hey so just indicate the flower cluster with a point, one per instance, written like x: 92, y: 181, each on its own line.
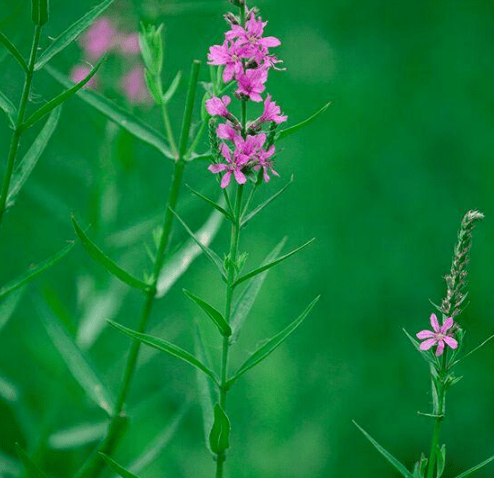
x: 102, y: 38
x: 246, y: 59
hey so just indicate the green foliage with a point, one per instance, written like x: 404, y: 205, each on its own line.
x: 219, y: 438
x: 210, y: 202
x: 9, y: 109
x: 293, y: 129
x: 172, y: 89
x: 8, y: 306
x: 117, y: 468
x: 151, y: 43
x: 473, y: 470
x: 13, y: 51
x: 33, y: 470
x: 40, y: 11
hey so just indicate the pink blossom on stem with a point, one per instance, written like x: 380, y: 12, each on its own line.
x: 266, y: 163
x: 134, y: 86
x: 99, y: 38
x: 230, y: 55
x: 252, y: 83
x: 252, y: 34
x: 79, y: 73
x: 441, y: 336
x: 227, y: 131
x: 272, y: 112
x: 218, y: 106
x: 234, y: 166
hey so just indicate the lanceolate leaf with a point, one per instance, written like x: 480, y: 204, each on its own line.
x: 472, y: 471
x: 212, y: 256
x: 35, y: 271
x: 44, y: 110
x: 96, y: 253
x: 288, y: 131
x: 29, y: 161
x: 116, y: 467
x: 271, y: 264
x: 165, y: 347
x: 33, y: 471
x: 183, y: 258
x: 13, y: 50
x: 9, y: 109
x: 211, y: 203
x: 219, y: 438
x: 8, y: 306
x: 172, y: 89
x: 71, y: 34
x: 261, y: 206
x: 272, y: 344
x: 399, y: 466
x: 74, y: 437
x: 213, y: 314
x: 123, y: 118
x: 248, y: 296
x: 77, y: 363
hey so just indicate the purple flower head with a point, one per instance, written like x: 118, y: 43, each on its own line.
x: 99, y: 38
x: 266, y: 163
x: 228, y: 132
x: 252, y: 83
x: 252, y: 34
x: 233, y: 166
x: 218, y: 106
x: 230, y: 55
x: 441, y: 336
x: 272, y: 112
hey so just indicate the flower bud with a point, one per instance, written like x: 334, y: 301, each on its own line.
x: 39, y: 11
x: 231, y: 19
x: 238, y: 3
x: 151, y: 44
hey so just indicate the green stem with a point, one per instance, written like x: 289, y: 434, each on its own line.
x: 16, y: 137
x: 169, y: 130
x: 94, y: 465
x: 434, y: 445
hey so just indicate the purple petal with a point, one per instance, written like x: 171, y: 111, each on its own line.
x: 448, y: 323
x: 425, y: 334
x: 270, y: 42
x: 217, y: 168
x: 440, y: 348
x: 225, y: 181
x: 435, y: 323
x: 453, y: 343
x: 240, y: 177
x: 427, y: 344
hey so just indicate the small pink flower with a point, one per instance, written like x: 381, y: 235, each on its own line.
x: 134, y: 86
x: 272, y: 112
x: 230, y: 55
x: 252, y: 83
x: 227, y: 131
x: 79, y: 73
x: 99, y: 38
x: 439, y: 337
x: 218, y: 106
x: 252, y: 34
x: 266, y: 163
x: 129, y: 44
x: 234, y: 166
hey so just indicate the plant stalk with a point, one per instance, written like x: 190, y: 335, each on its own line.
x: 16, y: 137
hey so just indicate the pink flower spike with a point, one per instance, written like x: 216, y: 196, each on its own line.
x: 218, y: 106
x: 441, y: 336
x: 272, y: 112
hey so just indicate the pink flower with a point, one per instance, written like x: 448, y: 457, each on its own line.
x: 439, y: 337
x: 227, y: 131
x: 252, y: 83
x: 134, y: 86
x: 99, y: 38
x: 252, y: 34
x: 129, y: 44
x: 266, y: 163
x: 79, y: 73
x: 230, y: 55
x: 218, y: 106
x: 233, y: 166
x: 272, y: 112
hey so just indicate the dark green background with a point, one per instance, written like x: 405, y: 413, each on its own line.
x: 382, y: 181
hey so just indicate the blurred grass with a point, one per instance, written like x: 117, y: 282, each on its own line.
x: 382, y: 181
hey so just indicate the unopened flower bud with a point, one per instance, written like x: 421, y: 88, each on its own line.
x: 231, y: 19
x: 151, y: 44
x: 238, y: 3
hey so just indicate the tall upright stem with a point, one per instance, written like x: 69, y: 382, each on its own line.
x: 16, y: 137
x: 94, y: 465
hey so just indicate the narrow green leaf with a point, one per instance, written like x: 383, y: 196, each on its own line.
x: 172, y: 89
x: 272, y: 344
x: 76, y: 361
x: 33, y: 471
x: 40, y: 11
x: 9, y: 465
x: 165, y: 347
x: 441, y: 460
x: 71, y: 34
x: 210, y: 202
x: 77, y: 436
x: 219, y: 438
x: 211, y: 255
x: 471, y: 471
x: 271, y: 264
x: 212, y: 313
x: 399, y: 466
x: 58, y: 100
x: 9, y: 109
x: 207, y: 156
x: 8, y: 391
x: 8, y: 306
x: 118, y: 115
x: 116, y: 467
x: 428, y: 357
x: 261, y: 206
x: 248, y: 296
x: 95, y: 252
x: 29, y: 161
x: 13, y: 51
x: 205, y: 390
x: 178, y: 264
x: 35, y: 271
x: 288, y: 131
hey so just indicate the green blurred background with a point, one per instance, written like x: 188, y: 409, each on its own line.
x: 382, y: 181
